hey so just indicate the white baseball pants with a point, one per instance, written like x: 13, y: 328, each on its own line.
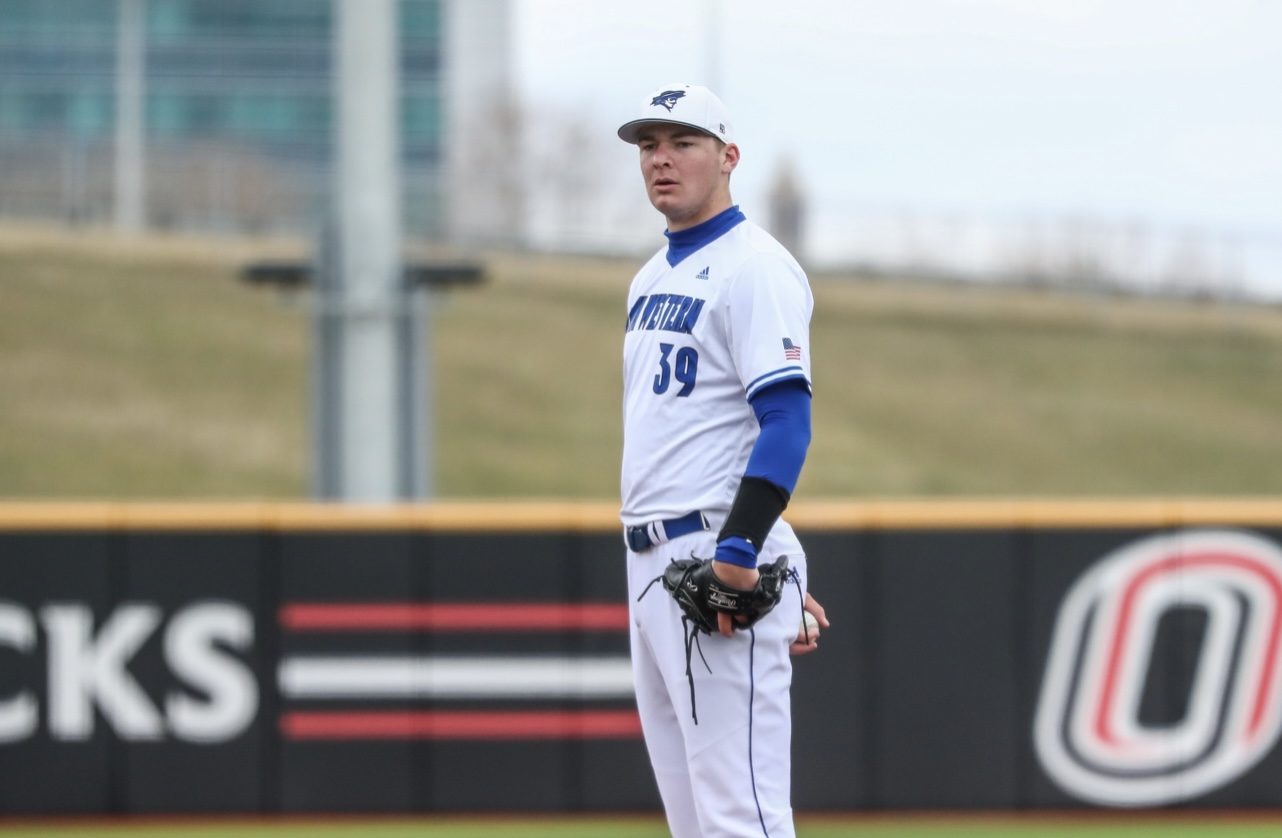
x: 729, y: 774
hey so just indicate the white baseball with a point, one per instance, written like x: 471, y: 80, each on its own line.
x: 809, y: 623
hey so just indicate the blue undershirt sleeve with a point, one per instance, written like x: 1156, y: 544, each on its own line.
x: 783, y: 411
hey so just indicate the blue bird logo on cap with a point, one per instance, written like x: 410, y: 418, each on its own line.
x: 667, y: 99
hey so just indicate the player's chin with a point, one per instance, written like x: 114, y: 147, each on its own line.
x: 664, y: 200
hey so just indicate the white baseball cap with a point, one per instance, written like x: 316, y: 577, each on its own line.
x: 683, y: 104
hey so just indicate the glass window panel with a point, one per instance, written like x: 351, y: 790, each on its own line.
x: 57, y: 16
x: 89, y: 115
x: 421, y: 119
x: 420, y: 20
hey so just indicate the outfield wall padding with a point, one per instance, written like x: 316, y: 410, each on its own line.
x: 261, y: 658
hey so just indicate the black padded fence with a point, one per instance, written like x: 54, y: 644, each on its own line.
x: 457, y: 658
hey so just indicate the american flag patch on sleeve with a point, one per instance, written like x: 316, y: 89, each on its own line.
x: 791, y: 351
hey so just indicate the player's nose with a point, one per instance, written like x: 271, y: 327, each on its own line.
x: 662, y: 156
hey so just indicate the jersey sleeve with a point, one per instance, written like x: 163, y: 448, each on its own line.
x: 768, y: 322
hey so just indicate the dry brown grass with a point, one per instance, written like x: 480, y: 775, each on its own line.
x: 146, y: 368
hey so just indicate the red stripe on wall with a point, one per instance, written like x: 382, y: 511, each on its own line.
x: 591, y: 724
x: 462, y: 617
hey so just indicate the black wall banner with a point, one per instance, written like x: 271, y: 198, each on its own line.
x: 453, y: 658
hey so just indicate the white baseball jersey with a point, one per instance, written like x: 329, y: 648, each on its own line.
x: 703, y: 336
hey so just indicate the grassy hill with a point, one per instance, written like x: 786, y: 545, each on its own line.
x: 148, y: 369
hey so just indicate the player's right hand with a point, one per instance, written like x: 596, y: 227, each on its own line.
x: 804, y: 645
x: 743, y: 578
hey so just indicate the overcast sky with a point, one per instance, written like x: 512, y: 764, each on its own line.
x: 1165, y: 110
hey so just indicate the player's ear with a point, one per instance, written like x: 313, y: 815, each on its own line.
x: 729, y: 158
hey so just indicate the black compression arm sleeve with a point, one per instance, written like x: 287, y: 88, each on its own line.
x: 757, y: 505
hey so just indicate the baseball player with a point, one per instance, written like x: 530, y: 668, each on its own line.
x: 716, y: 426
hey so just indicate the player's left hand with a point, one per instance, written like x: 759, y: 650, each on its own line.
x: 804, y: 645
x: 703, y: 595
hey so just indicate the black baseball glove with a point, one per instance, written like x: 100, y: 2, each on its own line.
x: 701, y: 595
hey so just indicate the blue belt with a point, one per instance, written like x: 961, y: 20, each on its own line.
x: 642, y: 538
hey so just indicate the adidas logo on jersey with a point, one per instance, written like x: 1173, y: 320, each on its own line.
x: 703, y: 274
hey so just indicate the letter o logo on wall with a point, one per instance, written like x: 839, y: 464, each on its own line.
x: 1089, y: 732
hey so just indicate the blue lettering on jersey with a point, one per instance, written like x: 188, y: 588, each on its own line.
x: 665, y: 312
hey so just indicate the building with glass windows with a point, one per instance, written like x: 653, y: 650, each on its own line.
x: 237, y: 110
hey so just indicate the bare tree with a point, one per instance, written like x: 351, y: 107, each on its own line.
x: 487, y: 180
x: 788, y: 209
